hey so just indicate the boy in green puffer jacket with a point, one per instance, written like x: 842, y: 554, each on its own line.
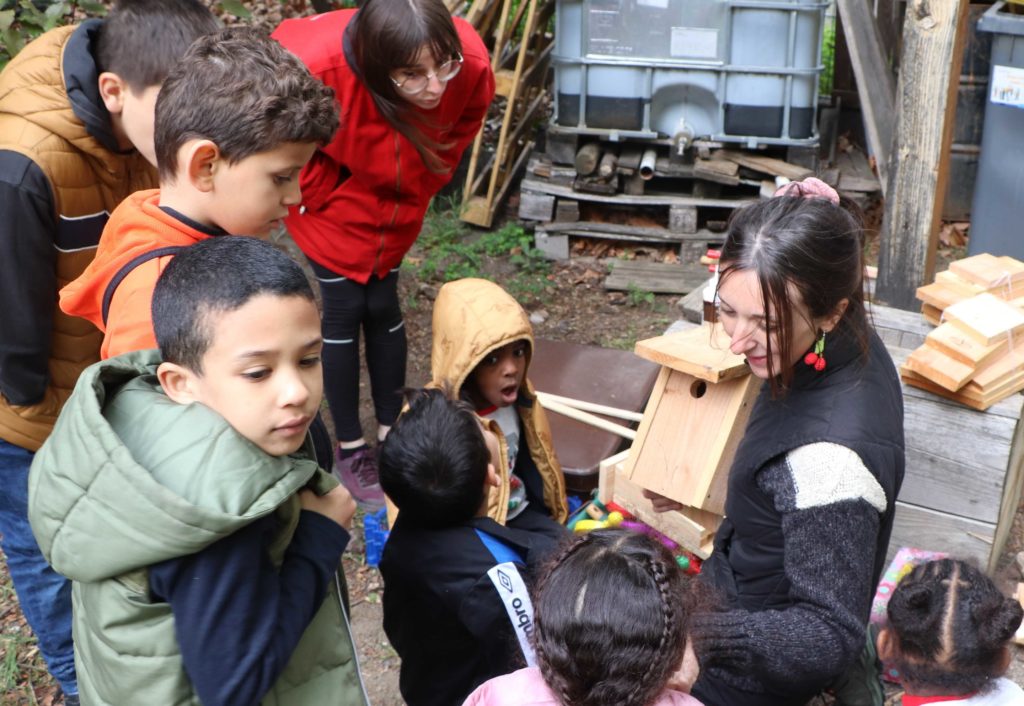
x: 179, y: 494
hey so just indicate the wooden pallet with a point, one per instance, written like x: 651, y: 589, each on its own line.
x: 657, y: 277
x: 549, y: 197
x: 520, y: 58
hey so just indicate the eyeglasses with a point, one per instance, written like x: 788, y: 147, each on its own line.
x: 417, y: 82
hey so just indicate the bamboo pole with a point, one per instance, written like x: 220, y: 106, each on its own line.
x: 546, y: 397
x: 588, y: 418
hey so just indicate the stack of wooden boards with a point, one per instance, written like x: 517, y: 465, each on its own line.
x: 975, y: 355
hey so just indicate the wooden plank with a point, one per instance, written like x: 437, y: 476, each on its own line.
x: 956, y: 457
x: 1005, y: 410
x: 1012, y: 489
x: 682, y: 219
x: 657, y: 277
x: 989, y: 272
x: 986, y: 318
x: 875, y: 86
x: 530, y: 58
x: 504, y: 82
x: 536, y: 207
x: 717, y: 170
x: 949, y: 339
x: 765, y: 165
x: 597, y: 228
x: 567, y: 211
x: 1001, y: 372
x: 933, y: 34
x: 971, y: 395
x: 931, y: 314
x: 938, y: 295
x: 898, y: 320
x: 940, y: 368
x: 628, y: 200
x: 951, y: 281
x: 702, y: 352
x: 692, y: 529
x: 927, y: 529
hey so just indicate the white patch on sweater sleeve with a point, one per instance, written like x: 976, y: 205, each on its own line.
x: 826, y: 473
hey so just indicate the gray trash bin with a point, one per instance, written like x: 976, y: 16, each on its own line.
x: 997, y: 211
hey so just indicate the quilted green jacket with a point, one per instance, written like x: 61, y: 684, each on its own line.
x: 129, y: 478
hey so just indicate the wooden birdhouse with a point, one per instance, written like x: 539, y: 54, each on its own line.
x: 686, y: 441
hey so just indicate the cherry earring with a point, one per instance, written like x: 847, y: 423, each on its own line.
x: 816, y: 357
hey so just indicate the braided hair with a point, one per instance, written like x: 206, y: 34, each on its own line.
x: 951, y: 626
x: 611, y: 614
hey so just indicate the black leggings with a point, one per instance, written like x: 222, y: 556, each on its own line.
x: 374, y: 307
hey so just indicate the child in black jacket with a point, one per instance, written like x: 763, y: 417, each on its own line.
x: 455, y: 602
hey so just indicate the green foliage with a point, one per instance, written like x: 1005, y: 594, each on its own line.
x: 638, y: 297
x: 448, y: 249
x: 21, y: 664
x: 234, y: 7
x: 21, y: 21
x: 828, y: 58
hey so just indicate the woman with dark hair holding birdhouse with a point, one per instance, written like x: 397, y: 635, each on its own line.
x: 413, y: 86
x: 813, y: 485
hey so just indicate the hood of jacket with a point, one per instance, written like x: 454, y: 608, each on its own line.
x: 472, y: 317
x: 57, y: 70
x: 129, y: 478
x: 136, y: 227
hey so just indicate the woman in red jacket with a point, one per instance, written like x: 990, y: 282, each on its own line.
x: 413, y: 87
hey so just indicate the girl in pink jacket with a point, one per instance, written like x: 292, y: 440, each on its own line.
x: 611, y: 606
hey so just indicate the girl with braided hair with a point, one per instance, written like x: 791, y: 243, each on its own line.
x: 948, y: 636
x: 611, y: 615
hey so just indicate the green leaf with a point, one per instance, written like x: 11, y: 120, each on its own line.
x: 12, y: 40
x: 6, y: 18
x: 236, y: 8
x: 57, y: 9
x: 96, y: 9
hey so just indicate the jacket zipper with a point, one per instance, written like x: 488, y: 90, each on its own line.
x: 398, y: 198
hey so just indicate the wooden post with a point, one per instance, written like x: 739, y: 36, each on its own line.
x: 875, y: 87
x: 933, y: 35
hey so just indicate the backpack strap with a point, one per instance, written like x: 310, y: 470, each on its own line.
x: 126, y: 269
x: 512, y: 591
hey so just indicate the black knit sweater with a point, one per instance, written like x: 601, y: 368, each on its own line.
x: 810, y: 508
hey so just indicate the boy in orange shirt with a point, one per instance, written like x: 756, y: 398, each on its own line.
x: 236, y: 121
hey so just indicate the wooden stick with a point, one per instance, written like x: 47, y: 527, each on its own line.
x: 587, y: 418
x: 546, y: 397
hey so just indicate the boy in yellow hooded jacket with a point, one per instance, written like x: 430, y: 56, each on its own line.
x: 482, y: 346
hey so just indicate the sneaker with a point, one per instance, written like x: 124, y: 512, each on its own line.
x: 358, y: 473
x: 70, y: 699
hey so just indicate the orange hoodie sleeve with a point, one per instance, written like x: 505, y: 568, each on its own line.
x: 130, y: 319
